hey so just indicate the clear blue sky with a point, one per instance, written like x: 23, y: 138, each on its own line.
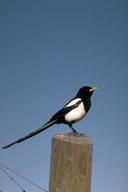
x: 48, y: 50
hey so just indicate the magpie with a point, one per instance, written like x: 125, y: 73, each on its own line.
x: 75, y: 110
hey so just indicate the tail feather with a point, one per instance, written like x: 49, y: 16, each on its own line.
x: 44, y: 127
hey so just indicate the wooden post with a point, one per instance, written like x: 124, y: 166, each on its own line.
x: 71, y: 163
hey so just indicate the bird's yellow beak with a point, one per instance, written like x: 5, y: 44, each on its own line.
x: 93, y: 89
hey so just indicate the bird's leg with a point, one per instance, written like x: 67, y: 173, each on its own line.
x: 74, y: 131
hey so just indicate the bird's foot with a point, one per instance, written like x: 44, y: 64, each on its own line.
x: 74, y: 133
x: 77, y: 134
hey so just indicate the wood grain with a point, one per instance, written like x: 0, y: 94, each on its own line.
x: 71, y: 163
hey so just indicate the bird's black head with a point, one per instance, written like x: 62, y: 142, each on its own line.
x: 86, y: 91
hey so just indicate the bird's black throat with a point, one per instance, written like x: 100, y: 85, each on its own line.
x: 87, y: 103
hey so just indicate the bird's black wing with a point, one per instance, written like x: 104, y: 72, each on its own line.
x: 56, y: 118
x: 66, y: 109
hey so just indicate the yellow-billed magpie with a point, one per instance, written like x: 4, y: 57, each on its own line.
x: 72, y: 112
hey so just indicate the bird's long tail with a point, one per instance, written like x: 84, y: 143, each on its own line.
x: 44, y: 127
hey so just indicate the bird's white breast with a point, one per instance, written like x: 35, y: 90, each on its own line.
x: 75, y: 114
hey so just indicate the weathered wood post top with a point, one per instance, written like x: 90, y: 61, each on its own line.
x: 71, y: 163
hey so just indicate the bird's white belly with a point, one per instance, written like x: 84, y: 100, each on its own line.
x: 76, y: 114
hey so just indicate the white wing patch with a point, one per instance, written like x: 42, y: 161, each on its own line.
x: 73, y: 102
x: 76, y: 114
